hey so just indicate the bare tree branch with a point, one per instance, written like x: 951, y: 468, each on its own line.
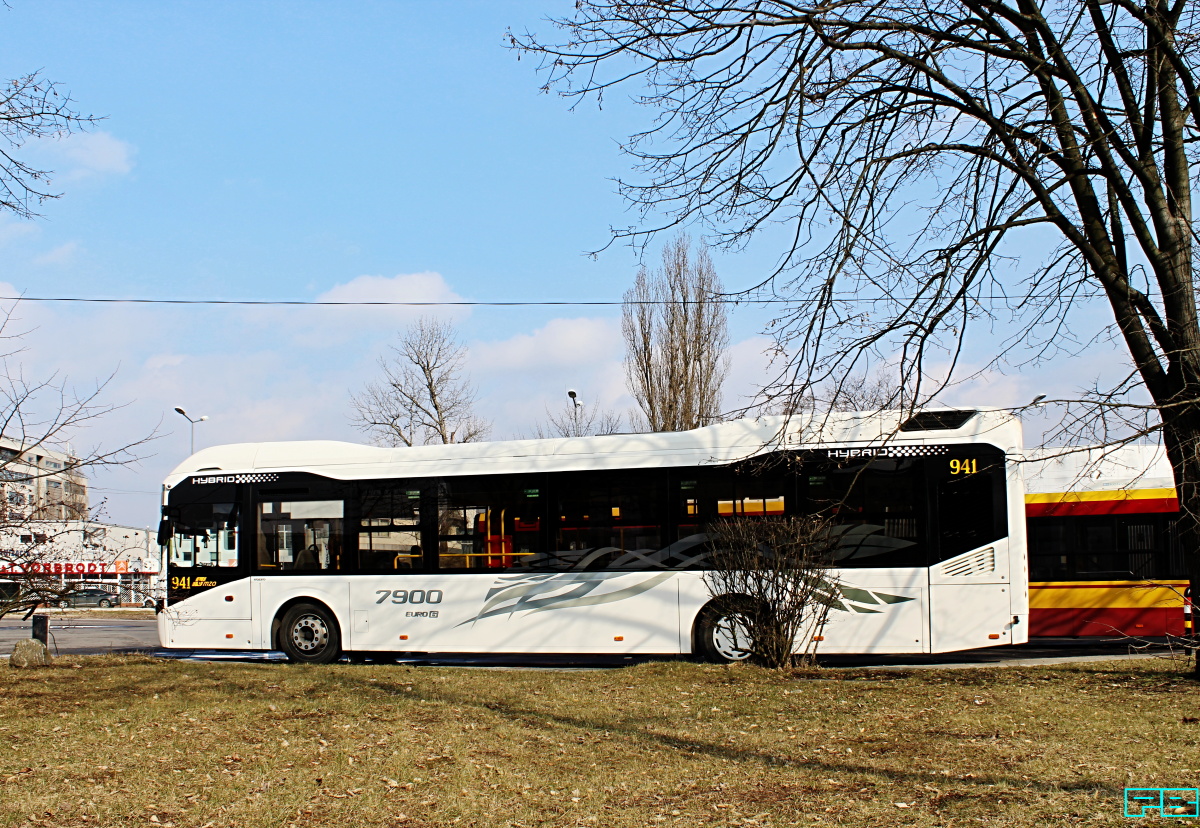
x: 424, y: 395
x: 578, y: 419
x: 676, y: 334
x: 31, y: 108
x: 923, y: 151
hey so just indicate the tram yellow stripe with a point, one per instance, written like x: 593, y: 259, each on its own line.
x: 1100, y: 595
x: 1084, y: 497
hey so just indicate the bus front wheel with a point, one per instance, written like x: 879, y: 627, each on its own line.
x: 309, y: 634
x: 722, y: 631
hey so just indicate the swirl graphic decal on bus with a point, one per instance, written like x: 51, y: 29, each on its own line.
x: 854, y: 599
x: 547, y: 591
x: 539, y: 592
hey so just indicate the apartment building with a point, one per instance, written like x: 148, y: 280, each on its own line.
x: 37, y: 483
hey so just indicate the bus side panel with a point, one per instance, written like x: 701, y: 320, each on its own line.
x: 876, y: 611
x: 207, y: 619
x: 965, y: 616
x: 586, y: 612
x: 231, y: 600
x: 275, y: 591
x: 178, y: 629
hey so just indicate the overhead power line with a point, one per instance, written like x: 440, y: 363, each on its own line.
x: 518, y: 304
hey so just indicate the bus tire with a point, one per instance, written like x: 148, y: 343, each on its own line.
x: 720, y: 634
x: 308, y: 634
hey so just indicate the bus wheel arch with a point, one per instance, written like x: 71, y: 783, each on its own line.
x: 306, y: 630
x: 719, y: 633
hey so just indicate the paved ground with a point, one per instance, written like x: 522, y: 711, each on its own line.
x: 96, y: 633
x: 85, y: 635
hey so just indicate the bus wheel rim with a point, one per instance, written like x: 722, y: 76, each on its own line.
x: 310, y: 633
x: 730, y: 639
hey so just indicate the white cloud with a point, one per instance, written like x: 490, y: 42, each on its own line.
x: 322, y: 327
x: 160, y: 362
x: 86, y: 154
x: 64, y: 254
x: 560, y: 344
x: 405, y: 287
x: 522, y: 377
x: 13, y: 229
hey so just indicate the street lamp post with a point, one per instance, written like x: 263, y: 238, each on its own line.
x: 193, y: 422
x: 576, y: 405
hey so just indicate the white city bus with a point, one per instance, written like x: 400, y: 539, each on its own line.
x: 592, y: 545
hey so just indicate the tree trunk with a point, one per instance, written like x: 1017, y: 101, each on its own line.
x: 1182, y: 439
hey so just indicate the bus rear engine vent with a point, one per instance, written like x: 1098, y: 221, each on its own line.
x: 936, y: 420
x: 982, y: 562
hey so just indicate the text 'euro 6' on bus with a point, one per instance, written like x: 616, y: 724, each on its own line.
x: 592, y: 545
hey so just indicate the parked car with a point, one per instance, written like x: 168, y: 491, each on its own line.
x: 89, y: 597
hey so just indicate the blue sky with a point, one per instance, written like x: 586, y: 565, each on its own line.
x: 299, y: 151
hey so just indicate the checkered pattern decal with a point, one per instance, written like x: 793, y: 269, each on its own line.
x: 887, y: 452
x: 236, y: 478
x: 917, y: 451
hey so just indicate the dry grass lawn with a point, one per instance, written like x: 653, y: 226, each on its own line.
x: 136, y: 741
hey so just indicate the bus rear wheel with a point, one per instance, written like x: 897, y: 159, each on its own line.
x: 309, y: 634
x: 722, y: 631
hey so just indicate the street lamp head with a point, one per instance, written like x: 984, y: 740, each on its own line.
x: 180, y: 411
x: 203, y: 417
x: 571, y: 394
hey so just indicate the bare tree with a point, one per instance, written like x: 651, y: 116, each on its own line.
x: 41, y: 501
x: 424, y: 396
x: 31, y: 107
x: 773, y: 585
x: 674, y: 324
x: 867, y: 392
x: 921, y: 149
x: 578, y: 419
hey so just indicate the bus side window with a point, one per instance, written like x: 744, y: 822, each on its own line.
x: 491, y: 523
x: 389, y: 530
x: 300, y: 536
x: 612, y: 520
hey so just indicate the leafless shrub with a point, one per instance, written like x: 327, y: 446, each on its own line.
x: 779, y: 571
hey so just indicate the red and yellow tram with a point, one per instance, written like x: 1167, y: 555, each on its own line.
x: 1104, y: 554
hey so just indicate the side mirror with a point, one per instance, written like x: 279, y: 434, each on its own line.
x: 164, y: 532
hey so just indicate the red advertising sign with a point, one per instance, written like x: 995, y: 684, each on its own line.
x: 66, y: 568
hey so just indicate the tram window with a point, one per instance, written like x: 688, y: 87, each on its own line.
x: 1097, y: 550
x: 300, y: 536
x: 204, y: 535
x: 389, y: 532
x: 1139, y: 542
x: 1175, y: 567
x: 1049, y: 549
